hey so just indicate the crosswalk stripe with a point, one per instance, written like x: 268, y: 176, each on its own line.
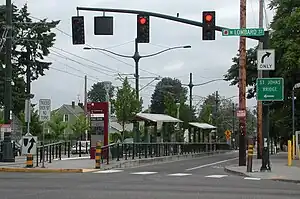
x: 143, y: 173
x: 109, y: 171
x: 251, y: 178
x: 216, y: 176
x: 179, y: 174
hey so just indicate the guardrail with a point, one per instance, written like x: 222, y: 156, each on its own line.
x: 118, y: 151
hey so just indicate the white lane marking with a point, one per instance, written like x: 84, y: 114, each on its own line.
x: 216, y: 176
x: 210, y: 164
x: 109, y: 171
x: 180, y: 174
x: 143, y: 173
x: 250, y: 178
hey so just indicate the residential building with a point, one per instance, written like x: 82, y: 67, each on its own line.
x: 70, y: 113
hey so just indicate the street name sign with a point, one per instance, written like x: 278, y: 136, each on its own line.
x: 44, y: 110
x: 29, y: 145
x: 266, y: 59
x: 243, y: 32
x: 270, y: 89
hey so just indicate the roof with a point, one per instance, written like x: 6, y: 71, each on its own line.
x: 118, y: 127
x: 77, y: 110
x: 202, y: 125
x: 157, y: 117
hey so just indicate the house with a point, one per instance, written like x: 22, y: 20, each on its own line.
x: 116, y: 127
x: 70, y: 114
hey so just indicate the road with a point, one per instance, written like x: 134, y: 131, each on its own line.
x: 197, y: 178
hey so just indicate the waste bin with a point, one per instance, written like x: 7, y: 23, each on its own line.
x: 92, y: 153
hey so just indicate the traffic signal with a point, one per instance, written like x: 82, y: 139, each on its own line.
x: 78, y: 30
x: 209, y: 22
x: 143, y: 32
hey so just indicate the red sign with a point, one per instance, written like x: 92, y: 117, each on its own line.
x: 98, y: 112
x: 241, y: 113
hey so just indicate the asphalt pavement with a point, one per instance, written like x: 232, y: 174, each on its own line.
x: 196, y: 178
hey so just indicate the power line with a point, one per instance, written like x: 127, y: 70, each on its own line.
x: 106, y: 67
x: 73, y: 74
x: 85, y: 65
x: 73, y: 68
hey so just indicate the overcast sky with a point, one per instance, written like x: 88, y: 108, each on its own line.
x: 207, y: 60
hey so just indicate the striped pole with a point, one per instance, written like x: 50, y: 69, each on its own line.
x: 98, y: 155
x: 29, y: 161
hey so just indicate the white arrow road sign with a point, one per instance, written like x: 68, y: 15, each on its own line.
x: 29, y: 145
x: 266, y: 59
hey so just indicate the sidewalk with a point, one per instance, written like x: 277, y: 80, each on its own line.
x: 279, y: 169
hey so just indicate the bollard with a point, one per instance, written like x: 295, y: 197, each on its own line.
x: 29, y: 161
x: 98, y: 155
x: 294, y: 148
x: 250, y: 156
x: 289, y: 153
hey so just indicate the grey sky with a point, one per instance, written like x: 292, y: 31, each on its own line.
x: 206, y: 60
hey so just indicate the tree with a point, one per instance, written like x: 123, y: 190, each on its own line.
x: 57, y: 126
x: 36, y: 127
x: 80, y: 126
x: 126, y: 104
x: 98, y: 92
x: 31, y: 42
x: 170, y: 86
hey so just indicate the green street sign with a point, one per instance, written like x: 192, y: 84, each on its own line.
x: 270, y: 89
x: 243, y: 32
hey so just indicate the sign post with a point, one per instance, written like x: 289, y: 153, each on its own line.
x: 44, y: 116
x: 270, y: 89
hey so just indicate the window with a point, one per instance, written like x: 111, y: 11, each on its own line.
x: 66, y: 118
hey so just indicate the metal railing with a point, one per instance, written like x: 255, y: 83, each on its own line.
x: 122, y: 151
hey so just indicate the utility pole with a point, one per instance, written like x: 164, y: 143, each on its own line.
x: 242, y: 87
x: 8, y: 155
x: 259, y: 75
x: 85, y: 105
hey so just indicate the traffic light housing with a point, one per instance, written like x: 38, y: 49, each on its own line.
x: 143, y: 32
x: 78, y: 35
x: 209, y: 23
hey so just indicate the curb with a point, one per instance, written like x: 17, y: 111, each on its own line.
x: 236, y: 172
x: 273, y: 179
x: 40, y: 170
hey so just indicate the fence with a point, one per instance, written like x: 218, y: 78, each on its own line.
x: 118, y: 151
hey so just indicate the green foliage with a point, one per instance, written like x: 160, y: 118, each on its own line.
x: 98, y: 92
x: 126, y: 104
x: 172, y: 87
x: 80, y: 126
x: 114, y: 137
x: 57, y: 126
x: 36, y: 127
x: 31, y: 42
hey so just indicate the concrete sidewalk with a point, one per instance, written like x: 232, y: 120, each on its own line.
x: 279, y: 169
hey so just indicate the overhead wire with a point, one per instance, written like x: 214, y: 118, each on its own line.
x: 80, y: 63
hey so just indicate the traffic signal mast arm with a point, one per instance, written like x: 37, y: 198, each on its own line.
x: 158, y: 15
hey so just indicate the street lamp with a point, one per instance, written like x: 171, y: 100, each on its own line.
x: 136, y: 57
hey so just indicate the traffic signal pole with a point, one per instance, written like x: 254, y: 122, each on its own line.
x: 242, y: 69
x: 136, y: 57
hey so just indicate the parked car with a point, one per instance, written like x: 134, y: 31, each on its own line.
x: 82, y: 147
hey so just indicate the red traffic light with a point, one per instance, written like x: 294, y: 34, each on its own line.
x: 208, y: 17
x: 142, y: 20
